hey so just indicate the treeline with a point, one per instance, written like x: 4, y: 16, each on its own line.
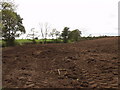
x: 11, y: 27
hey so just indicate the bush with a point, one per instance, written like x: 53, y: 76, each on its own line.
x: 3, y: 44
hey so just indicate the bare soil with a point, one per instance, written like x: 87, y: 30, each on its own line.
x: 86, y: 64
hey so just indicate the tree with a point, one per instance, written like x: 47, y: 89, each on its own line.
x: 44, y: 31
x: 41, y: 29
x: 65, y: 34
x: 74, y: 35
x: 55, y: 33
x: 11, y: 23
x: 33, y: 35
x: 52, y: 33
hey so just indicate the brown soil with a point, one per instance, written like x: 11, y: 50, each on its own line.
x: 87, y: 64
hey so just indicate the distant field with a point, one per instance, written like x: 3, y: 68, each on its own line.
x: 24, y: 41
x: 27, y: 41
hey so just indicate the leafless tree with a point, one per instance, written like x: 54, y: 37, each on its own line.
x: 54, y: 33
x: 46, y: 31
x: 32, y: 35
x: 41, y: 29
x: 44, y: 28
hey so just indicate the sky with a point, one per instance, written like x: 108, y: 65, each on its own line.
x: 96, y: 17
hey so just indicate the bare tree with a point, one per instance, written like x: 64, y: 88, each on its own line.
x: 41, y: 29
x: 32, y: 35
x: 52, y: 33
x: 55, y: 34
x: 44, y: 31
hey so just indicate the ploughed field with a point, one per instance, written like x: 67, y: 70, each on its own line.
x: 86, y: 64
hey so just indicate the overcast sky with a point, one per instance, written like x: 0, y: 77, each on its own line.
x: 96, y: 17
